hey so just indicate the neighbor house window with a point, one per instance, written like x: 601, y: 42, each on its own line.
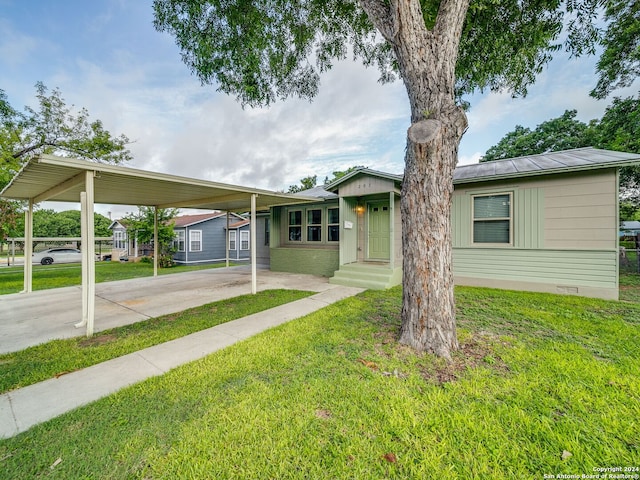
x: 120, y: 239
x: 492, y: 219
x: 314, y: 225
x: 179, y: 240
x: 333, y: 224
x: 232, y: 240
x: 295, y: 226
x: 195, y: 241
x: 244, y: 240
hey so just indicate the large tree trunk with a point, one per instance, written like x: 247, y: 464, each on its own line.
x: 428, y: 307
x: 426, y: 60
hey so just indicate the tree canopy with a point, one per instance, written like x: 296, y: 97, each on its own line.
x: 261, y: 51
x: 619, y: 64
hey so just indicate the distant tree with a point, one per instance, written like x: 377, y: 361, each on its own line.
x: 51, y: 128
x: 49, y: 223
x: 140, y: 226
x: 305, y: 184
x: 629, y: 211
x: 562, y: 133
x: 341, y: 173
x: 618, y: 129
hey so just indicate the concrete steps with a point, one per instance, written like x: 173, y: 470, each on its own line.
x: 365, y: 275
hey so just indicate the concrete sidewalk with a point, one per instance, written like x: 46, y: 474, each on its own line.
x: 23, y: 408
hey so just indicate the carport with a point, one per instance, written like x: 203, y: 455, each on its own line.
x: 61, y: 179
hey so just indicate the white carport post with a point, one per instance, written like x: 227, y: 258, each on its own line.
x: 252, y: 233
x: 227, y: 240
x: 155, y: 241
x: 28, y: 248
x: 88, y: 254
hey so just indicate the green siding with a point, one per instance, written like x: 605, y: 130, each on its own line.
x: 554, y: 267
x: 348, y: 237
x: 528, y: 217
x: 305, y: 260
x: 461, y: 220
x: 528, y: 221
x: 276, y: 215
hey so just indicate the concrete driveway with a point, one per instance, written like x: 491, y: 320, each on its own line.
x: 37, y: 317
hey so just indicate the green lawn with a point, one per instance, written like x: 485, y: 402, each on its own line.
x: 543, y: 385
x: 58, y: 357
x: 65, y: 275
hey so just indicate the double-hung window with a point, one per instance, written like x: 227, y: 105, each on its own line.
x: 179, y: 240
x: 314, y: 225
x: 232, y: 240
x: 333, y: 224
x: 195, y: 240
x: 295, y: 225
x: 493, y: 219
x: 244, y: 240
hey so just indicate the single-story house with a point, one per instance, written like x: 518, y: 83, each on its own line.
x: 204, y: 238
x: 545, y: 222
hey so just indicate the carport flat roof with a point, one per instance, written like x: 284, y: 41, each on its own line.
x: 61, y: 179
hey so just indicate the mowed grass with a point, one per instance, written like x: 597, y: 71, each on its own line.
x: 59, y: 357
x: 542, y: 385
x: 66, y: 275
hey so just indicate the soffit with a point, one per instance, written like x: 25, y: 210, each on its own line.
x: 127, y: 186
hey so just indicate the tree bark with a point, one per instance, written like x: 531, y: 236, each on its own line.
x: 426, y: 60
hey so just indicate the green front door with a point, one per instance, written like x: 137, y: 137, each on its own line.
x: 379, y: 238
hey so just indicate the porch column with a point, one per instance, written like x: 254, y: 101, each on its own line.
x: 252, y: 234
x: 226, y: 249
x: 392, y: 242
x: 155, y: 241
x: 28, y: 248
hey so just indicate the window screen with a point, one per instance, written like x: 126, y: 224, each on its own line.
x: 492, y: 219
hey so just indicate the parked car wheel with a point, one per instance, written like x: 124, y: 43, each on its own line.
x: 46, y: 261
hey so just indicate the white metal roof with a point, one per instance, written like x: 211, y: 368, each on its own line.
x: 62, y: 179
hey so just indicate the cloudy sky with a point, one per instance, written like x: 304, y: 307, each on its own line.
x: 105, y: 55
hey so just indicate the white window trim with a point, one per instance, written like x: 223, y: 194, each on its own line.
x: 301, y: 226
x: 180, y: 240
x: 510, y: 219
x: 316, y: 225
x: 244, y: 237
x: 233, y: 237
x: 192, y: 240
x: 337, y: 224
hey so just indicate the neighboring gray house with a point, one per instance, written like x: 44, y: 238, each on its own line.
x: 544, y: 222
x: 203, y: 238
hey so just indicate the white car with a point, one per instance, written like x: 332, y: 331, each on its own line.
x: 57, y: 255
